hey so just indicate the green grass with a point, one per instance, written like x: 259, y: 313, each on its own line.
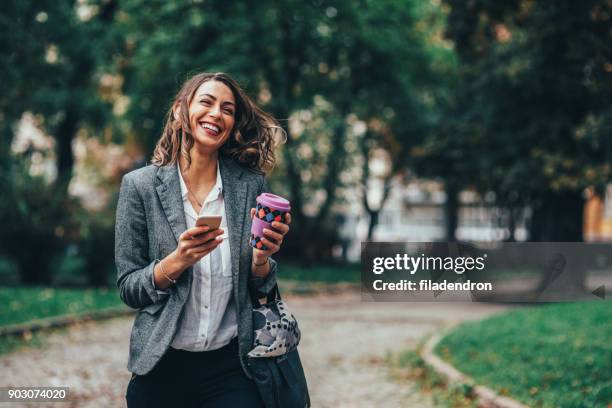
x: 549, y: 356
x: 323, y: 274
x: 409, y: 366
x: 12, y: 343
x: 22, y: 304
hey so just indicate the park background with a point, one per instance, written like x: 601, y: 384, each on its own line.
x: 406, y: 120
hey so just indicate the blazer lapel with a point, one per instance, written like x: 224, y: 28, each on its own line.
x: 235, y: 192
x: 169, y: 192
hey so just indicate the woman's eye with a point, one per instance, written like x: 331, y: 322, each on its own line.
x: 205, y: 102
x: 229, y: 111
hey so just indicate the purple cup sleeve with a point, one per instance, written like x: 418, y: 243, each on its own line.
x: 258, y: 226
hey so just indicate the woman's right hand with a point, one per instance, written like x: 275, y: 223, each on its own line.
x: 195, y: 243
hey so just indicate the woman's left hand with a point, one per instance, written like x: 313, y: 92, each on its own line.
x: 272, y: 239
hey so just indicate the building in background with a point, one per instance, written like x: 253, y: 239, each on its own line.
x: 415, y: 213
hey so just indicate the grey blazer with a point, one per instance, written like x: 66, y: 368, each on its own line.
x: 150, y: 219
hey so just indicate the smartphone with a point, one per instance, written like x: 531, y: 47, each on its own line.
x: 211, y: 221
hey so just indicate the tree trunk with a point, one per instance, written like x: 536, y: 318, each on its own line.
x: 512, y: 216
x: 373, y: 222
x: 558, y: 217
x: 34, y: 270
x: 65, y: 157
x: 335, y: 162
x: 451, y: 211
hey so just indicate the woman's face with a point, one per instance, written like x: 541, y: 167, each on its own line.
x: 211, y: 115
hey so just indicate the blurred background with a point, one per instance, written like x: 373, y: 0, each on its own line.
x: 407, y: 120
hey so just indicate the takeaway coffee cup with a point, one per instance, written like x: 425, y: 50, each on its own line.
x: 269, y: 208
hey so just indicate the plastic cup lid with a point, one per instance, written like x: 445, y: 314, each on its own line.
x: 274, y: 201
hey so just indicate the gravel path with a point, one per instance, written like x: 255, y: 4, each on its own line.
x: 344, y: 343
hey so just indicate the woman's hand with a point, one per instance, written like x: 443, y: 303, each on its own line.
x: 193, y: 245
x: 272, y: 239
x: 196, y: 243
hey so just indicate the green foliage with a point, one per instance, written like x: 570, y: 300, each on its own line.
x: 53, y: 54
x: 549, y: 356
x: 53, y: 57
x: 319, y: 273
x: 35, y: 221
x: 48, y: 237
x: 96, y: 245
x: 68, y: 269
x: 9, y: 271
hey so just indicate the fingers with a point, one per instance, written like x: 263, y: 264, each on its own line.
x: 272, y: 240
x: 272, y: 246
x: 275, y: 236
x: 192, y: 232
x: 203, y: 250
x: 288, y: 218
x: 203, y: 238
x: 280, y: 227
x: 252, y: 213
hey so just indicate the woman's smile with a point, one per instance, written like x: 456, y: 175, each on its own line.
x: 210, y: 128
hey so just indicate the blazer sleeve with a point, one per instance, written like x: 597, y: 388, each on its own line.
x: 263, y: 286
x: 134, y: 268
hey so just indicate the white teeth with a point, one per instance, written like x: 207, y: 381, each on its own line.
x: 211, y: 127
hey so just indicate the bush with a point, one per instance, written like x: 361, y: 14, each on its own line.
x: 35, y: 219
x: 48, y: 237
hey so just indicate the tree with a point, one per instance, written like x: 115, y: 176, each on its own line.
x: 536, y: 87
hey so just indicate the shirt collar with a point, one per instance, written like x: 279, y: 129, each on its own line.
x: 214, y: 193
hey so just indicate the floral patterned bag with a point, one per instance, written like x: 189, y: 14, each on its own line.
x: 275, y: 329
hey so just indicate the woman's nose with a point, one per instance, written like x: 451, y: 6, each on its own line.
x: 215, y: 111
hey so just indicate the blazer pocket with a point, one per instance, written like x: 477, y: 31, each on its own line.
x: 153, y: 309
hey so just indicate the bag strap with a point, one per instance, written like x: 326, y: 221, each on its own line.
x: 273, y: 295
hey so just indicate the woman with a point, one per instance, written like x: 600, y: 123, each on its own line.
x: 192, y: 284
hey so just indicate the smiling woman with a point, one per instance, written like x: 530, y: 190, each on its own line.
x: 192, y: 286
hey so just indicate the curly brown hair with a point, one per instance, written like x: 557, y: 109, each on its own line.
x: 251, y: 142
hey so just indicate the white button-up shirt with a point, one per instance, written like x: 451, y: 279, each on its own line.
x: 208, y: 320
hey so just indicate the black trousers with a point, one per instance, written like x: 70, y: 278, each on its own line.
x: 207, y: 379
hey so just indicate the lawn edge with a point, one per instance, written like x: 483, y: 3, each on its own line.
x: 54, y: 322
x: 487, y: 398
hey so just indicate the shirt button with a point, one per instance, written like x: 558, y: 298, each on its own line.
x: 205, y: 306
